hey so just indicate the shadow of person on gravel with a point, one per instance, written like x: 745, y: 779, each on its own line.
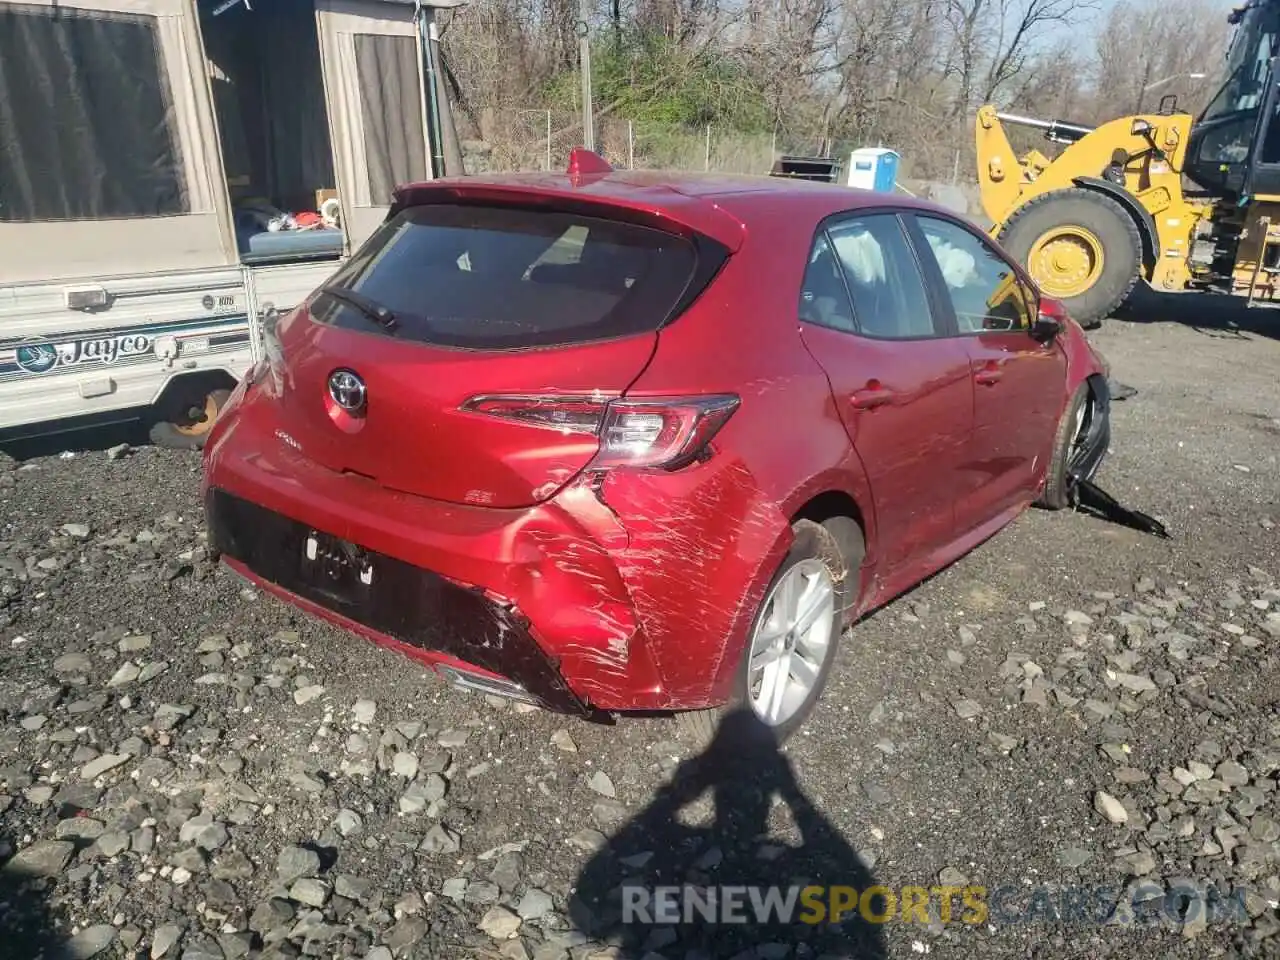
x: 620, y: 896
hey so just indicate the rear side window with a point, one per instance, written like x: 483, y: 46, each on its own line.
x: 889, y: 298
x: 493, y: 277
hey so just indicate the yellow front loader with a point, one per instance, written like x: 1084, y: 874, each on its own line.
x: 1181, y: 202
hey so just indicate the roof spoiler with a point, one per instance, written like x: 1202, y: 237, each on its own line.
x: 584, y: 163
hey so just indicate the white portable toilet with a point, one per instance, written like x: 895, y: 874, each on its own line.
x: 873, y: 168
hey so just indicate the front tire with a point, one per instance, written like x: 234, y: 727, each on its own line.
x: 1080, y: 443
x: 793, y: 638
x: 1081, y: 247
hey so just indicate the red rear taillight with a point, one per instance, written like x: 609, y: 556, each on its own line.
x: 667, y: 432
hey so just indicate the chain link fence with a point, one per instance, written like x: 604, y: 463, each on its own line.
x: 517, y: 140
x: 510, y: 140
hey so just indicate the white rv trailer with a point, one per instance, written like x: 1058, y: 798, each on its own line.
x: 150, y: 152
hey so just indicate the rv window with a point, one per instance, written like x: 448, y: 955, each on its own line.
x: 390, y: 101
x: 85, y: 117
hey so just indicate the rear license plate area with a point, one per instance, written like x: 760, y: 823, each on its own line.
x: 343, y: 571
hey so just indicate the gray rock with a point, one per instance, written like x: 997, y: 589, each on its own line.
x: 134, y: 642
x: 1231, y: 773
x: 152, y: 670
x: 1141, y: 863
x: 434, y: 787
x: 453, y: 738
x: 113, y: 843
x: 601, y: 784
x: 232, y: 865
x: 500, y: 923
x: 90, y: 942
x: 212, y: 837
x: 966, y: 709
x: 951, y: 877
x: 1002, y: 742
x: 562, y: 741
x: 294, y: 862
x: 72, y: 664
x: 587, y: 841
x: 44, y: 858
x: 482, y: 891
x: 1264, y: 829
x: 364, y: 711
x: 407, y: 932
x: 439, y: 839
x: 203, y: 949
x: 1110, y: 808
x: 506, y: 872
x: 455, y: 889
x: 127, y: 672
x: 534, y: 904
x: 353, y: 888
x: 304, y: 695
x: 1135, y: 682
x: 405, y: 765
x: 305, y: 783
x: 348, y: 822
x: 1096, y: 710
x: 79, y: 828
x: 165, y: 939
x: 271, y: 915
x: 236, y: 945
x: 312, y: 892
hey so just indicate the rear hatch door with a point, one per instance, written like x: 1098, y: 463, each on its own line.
x: 385, y: 371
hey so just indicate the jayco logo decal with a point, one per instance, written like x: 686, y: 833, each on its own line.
x: 43, y: 357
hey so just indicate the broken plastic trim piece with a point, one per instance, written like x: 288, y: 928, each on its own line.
x: 1120, y: 391
x: 1089, y: 497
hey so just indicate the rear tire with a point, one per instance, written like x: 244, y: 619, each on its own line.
x: 189, y: 420
x: 1081, y: 247
x: 837, y: 546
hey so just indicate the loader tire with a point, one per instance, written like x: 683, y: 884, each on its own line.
x: 1081, y: 247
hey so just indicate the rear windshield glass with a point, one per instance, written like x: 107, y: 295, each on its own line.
x: 489, y: 277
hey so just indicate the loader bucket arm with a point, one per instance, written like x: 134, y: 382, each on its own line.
x: 999, y: 172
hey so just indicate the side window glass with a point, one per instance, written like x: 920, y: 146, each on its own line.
x: 985, y: 292
x: 823, y: 298
x: 889, y: 299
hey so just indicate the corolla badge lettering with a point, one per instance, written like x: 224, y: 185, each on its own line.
x: 43, y: 357
x: 348, y: 390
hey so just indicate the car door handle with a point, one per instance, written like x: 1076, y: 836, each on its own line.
x: 988, y: 374
x: 872, y: 395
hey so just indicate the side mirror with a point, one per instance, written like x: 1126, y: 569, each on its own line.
x: 1050, y: 320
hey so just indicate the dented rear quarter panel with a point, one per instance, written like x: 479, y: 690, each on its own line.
x: 705, y: 541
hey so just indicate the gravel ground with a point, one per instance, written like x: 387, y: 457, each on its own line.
x: 190, y: 769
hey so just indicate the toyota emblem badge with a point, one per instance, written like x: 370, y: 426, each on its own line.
x: 348, y: 390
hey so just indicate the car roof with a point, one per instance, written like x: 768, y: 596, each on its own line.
x: 723, y: 206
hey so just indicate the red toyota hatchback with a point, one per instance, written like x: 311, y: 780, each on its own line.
x: 631, y: 442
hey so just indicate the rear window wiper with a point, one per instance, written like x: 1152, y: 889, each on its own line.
x: 382, y: 316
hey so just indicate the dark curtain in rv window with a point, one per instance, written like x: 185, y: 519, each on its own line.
x: 391, y: 101
x: 86, y: 117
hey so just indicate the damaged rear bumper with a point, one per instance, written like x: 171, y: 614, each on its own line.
x: 633, y: 597
x: 454, y: 629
